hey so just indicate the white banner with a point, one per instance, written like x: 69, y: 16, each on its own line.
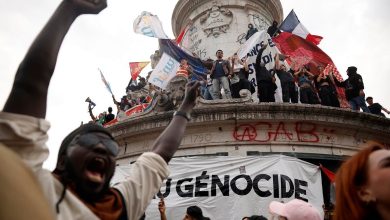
x: 233, y: 187
x: 164, y: 71
x: 250, y: 50
x: 149, y: 25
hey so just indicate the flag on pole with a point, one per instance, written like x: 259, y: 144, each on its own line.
x: 105, y: 82
x: 292, y: 25
x: 136, y: 68
x: 170, y: 48
x: 328, y: 173
x: 149, y: 25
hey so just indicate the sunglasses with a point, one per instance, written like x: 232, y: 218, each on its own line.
x: 91, y: 140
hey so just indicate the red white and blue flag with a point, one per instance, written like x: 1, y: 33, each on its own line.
x: 292, y: 25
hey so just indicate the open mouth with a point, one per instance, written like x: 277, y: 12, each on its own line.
x: 95, y: 170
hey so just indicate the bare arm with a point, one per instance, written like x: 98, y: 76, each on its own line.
x: 259, y: 54
x: 387, y: 111
x: 277, y: 62
x: 161, y: 209
x: 296, y: 74
x: 168, y: 142
x: 246, y: 64
x: 35, y: 71
x: 310, y: 75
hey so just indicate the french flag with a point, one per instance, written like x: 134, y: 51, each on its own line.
x: 292, y: 25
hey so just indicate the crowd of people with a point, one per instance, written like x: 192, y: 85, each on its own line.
x: 79, y: 186
x: 298, y: 84
x: 293, y: 210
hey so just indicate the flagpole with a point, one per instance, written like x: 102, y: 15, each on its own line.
x: 105, y: 82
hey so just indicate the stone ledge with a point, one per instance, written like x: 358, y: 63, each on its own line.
x: 225, y: 111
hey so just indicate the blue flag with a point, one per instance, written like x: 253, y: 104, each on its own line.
x: 169, y: 47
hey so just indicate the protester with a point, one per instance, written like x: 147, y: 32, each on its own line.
x: 255, y: 217
x: 362, y: 185
x: 273, y: 30
x: 239, y: 80
x: 109, y: 117
x: 234, y: 79
x: 219, y: 72
x: 265, y: 80
x: 100, y: 120
x: 326, y: 90
x: 194, y: 213
x: 294, y: 210
x: 206, y: 88
x: 79, y: 188
x: 184, y: 69
x: 354, y: 89
x: 251, y: 31
x: 376, y: 108
x: 306, y: 90
x: 289, y: 90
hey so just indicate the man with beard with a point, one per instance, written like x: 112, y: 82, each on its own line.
x: 78, y: 188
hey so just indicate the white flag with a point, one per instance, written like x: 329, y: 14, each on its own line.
x: 149, y: 25
x: 165, y: 70
x: 250, y: 50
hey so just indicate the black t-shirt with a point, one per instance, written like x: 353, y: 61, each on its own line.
x: 109, y: 117
x: 285, y: 77
x: 375, y: 108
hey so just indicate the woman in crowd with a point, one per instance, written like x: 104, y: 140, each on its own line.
x: 239, y: 79
x: 326, y: 90
x: 363, y: 185
x: 306, y: 92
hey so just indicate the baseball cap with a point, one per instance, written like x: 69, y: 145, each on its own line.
x: 295, y: 210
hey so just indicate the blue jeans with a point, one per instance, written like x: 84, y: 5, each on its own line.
x: 206, y: 93
x: 217, y: 82
x: 359, y: 102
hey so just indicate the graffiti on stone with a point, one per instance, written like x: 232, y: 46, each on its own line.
x: 259, y: 22
x: 201, y: 53
x: 241, y: 38
x: 283, y: 131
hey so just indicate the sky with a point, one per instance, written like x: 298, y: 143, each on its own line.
x: 355, y: 33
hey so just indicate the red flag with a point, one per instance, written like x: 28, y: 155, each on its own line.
x: 303, y: 52
x: 328, y: 173
x: 136, y: 68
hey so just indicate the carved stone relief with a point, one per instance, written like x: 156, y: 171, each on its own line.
x: 217, y: 20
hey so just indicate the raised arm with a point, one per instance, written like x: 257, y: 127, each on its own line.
x: 310, y: 75
x: 335, y: 81
x: 387, y: 111
x: 245, y: 64
x: 168, y: 142
x: 260, y: 53
x: 277, y: 62
x: 296, y: 74
x: 35, y: 71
